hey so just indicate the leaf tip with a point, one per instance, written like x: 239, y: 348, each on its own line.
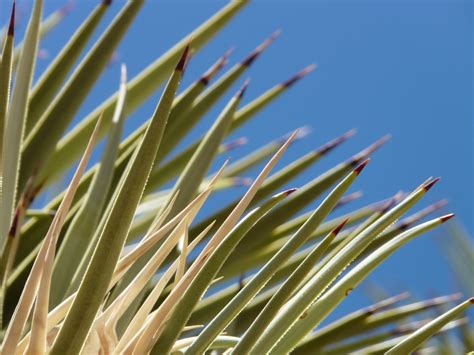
x: 443, y: 299
x: 11, y: 27
x: 380, y: 142
x: 392, y: 201
x: 344, y: 200
x: 227, y: 147
x: 361, y: 167
x: 289, y: 191
x: 184, y: 57
x: 335, y: 142
x: 428, y: 185
x: 242, y: 89
x: 339, y: 227
x: 123, y: 74
x: 355, y: 160
x: 69, y: 6
x: 13, y: 228
x: 257, y: 51
x: 214, y: 69
x: 446, y: 217
x: 303, y: 132
x: 299, y: 75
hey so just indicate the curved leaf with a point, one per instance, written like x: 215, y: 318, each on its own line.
x: 415, y: 340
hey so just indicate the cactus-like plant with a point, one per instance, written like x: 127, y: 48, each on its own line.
x: 117, y: 263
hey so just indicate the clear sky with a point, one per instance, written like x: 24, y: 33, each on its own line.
x: 399, y: 67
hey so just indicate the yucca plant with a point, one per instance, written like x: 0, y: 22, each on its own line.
x: 120, y: 263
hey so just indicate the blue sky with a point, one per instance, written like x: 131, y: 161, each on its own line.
x: 399, y: 67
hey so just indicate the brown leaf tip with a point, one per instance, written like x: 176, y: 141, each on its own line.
x: 407, y: 222
x: 443, y: 299
x: 11, y: 27
x: 289, y: 191
x: 227, y: 54
x: 257, y: 51
x: 183, y: 59
x: 430, y: 184
x: 214, y: 69
x: 388, y: 302
x: 242, y: 89
x: 453, y: 297
x: 446, y: 217
x: 234, y: 144
x: 392, y: 201
x: 344, y: 200
x: 14, y: 226
x: 107, y: 2
x: 339, y: 227
x: 335, y: 142
x: 440, y: 204
x: 471, y: 300
x: 369, y: 150
x: 361, y: 166
x: 301, y: 74
x: 68, y: 7
x: 378, y: 143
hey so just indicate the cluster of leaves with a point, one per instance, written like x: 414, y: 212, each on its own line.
x: 116, y: 263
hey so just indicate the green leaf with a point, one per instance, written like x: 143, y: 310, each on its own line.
x: 95, y: 283
x: 13, y: 135
x: 347, y: 326
x: 82, y: 228
x: 50, y: 81
x: 5, y: 80
x: 181, y: 105
x: 192, y: 176
x: 308, y: 318
x: 419, y: 337
x: 346, y: 347
x: 349, y: 239
x: 8, y: 253
x: 279, y: 298
x: 255, y: 157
